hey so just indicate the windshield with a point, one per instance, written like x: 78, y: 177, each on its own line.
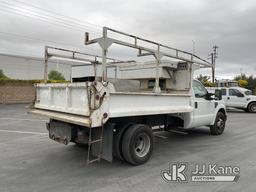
x: 199, y: 89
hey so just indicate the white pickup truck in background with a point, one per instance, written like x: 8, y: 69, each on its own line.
x: 237, y: 97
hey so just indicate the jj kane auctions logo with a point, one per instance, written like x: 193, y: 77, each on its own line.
x: 180, y: 172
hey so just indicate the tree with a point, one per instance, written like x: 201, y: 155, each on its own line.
x: 242, y: 83
x: 205, y: 80
x: 2, y: 75
x: 55, y: 75
x: 243, y: 78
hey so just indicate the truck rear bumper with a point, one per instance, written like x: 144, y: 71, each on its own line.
x: 64, y: 117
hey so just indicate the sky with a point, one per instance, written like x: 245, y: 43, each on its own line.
x: 27, y: 26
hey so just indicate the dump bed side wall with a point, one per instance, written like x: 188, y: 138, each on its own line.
x: 137, y: 104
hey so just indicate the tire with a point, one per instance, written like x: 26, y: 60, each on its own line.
x: 117, y: 143
x: 219, y: 124
x: 137, y: 144
x: 252, y: 107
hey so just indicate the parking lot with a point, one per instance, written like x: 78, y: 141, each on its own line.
x: 29, y: 161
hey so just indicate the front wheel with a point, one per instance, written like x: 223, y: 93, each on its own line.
x: 137, y: 145
x: 252, y: 107
x: 219, y: 124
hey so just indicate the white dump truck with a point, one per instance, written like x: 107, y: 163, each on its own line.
x: 237, y: 97
x: 116, y: 116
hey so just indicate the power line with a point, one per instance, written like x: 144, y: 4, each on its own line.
x: 8, y: 10
x: 45, y: 16
x: 20, y: 52
x: 18, y: 10
x: 32, y: 11
x: 69, y: 18
x: 35, y: 39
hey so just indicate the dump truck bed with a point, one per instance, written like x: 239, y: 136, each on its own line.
x: 77, y: 103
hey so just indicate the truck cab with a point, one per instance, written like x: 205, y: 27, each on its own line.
x: 206, y: 105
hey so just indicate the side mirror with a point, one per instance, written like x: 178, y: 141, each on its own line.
x: 218, y: 94
x: 209, y: 96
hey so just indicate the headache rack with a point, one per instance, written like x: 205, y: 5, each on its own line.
x: 159, y: 51
x: 74, y: 56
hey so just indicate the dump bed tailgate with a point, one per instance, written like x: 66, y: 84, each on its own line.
x: 71, y: 98
x: 68, y: 118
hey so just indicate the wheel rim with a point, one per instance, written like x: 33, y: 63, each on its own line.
x: 142, y: 145
x: 253, y: 108
x: 220, y: 124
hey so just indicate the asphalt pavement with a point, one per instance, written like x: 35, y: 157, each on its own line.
x: 30, y: 161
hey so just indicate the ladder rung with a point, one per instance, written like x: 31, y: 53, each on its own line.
x: 93, y: 160
x: 91, y: 141
x: 95, y: 141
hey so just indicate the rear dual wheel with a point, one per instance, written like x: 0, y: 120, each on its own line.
x: 117, y: 145
x: 136, y: 144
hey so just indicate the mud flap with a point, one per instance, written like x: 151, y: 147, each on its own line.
x: 107, y: 144
x: 60, y: 132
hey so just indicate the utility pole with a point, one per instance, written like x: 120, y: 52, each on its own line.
x: 214, y: 56
x: 194, y: 47
x: 193, y: 50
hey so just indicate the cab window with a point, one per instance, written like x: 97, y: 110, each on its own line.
x: 224, y: 92
x: 199, y: 89
x: 235, y: 92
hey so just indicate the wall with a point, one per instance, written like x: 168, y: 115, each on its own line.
x: 16, y: 94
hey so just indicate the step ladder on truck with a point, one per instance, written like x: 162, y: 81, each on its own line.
x: 117, y: 120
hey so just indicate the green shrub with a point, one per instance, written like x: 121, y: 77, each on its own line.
x: 55, y: 75
x: 2, y: 75
x: 4, y: 81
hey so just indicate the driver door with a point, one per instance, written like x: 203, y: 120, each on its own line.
x: 203, y: 109
x: 235, y: 98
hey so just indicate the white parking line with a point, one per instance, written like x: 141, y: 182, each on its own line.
x: 18, y: 119
x: 160, y: 136
x: 23, y: 132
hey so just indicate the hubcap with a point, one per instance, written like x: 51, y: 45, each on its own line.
x: 220, y: 123
x: 253, y: 108
x: 142, y: 145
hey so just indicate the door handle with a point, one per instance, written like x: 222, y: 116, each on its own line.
x: 228, y: 98
x: 196, y: 105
